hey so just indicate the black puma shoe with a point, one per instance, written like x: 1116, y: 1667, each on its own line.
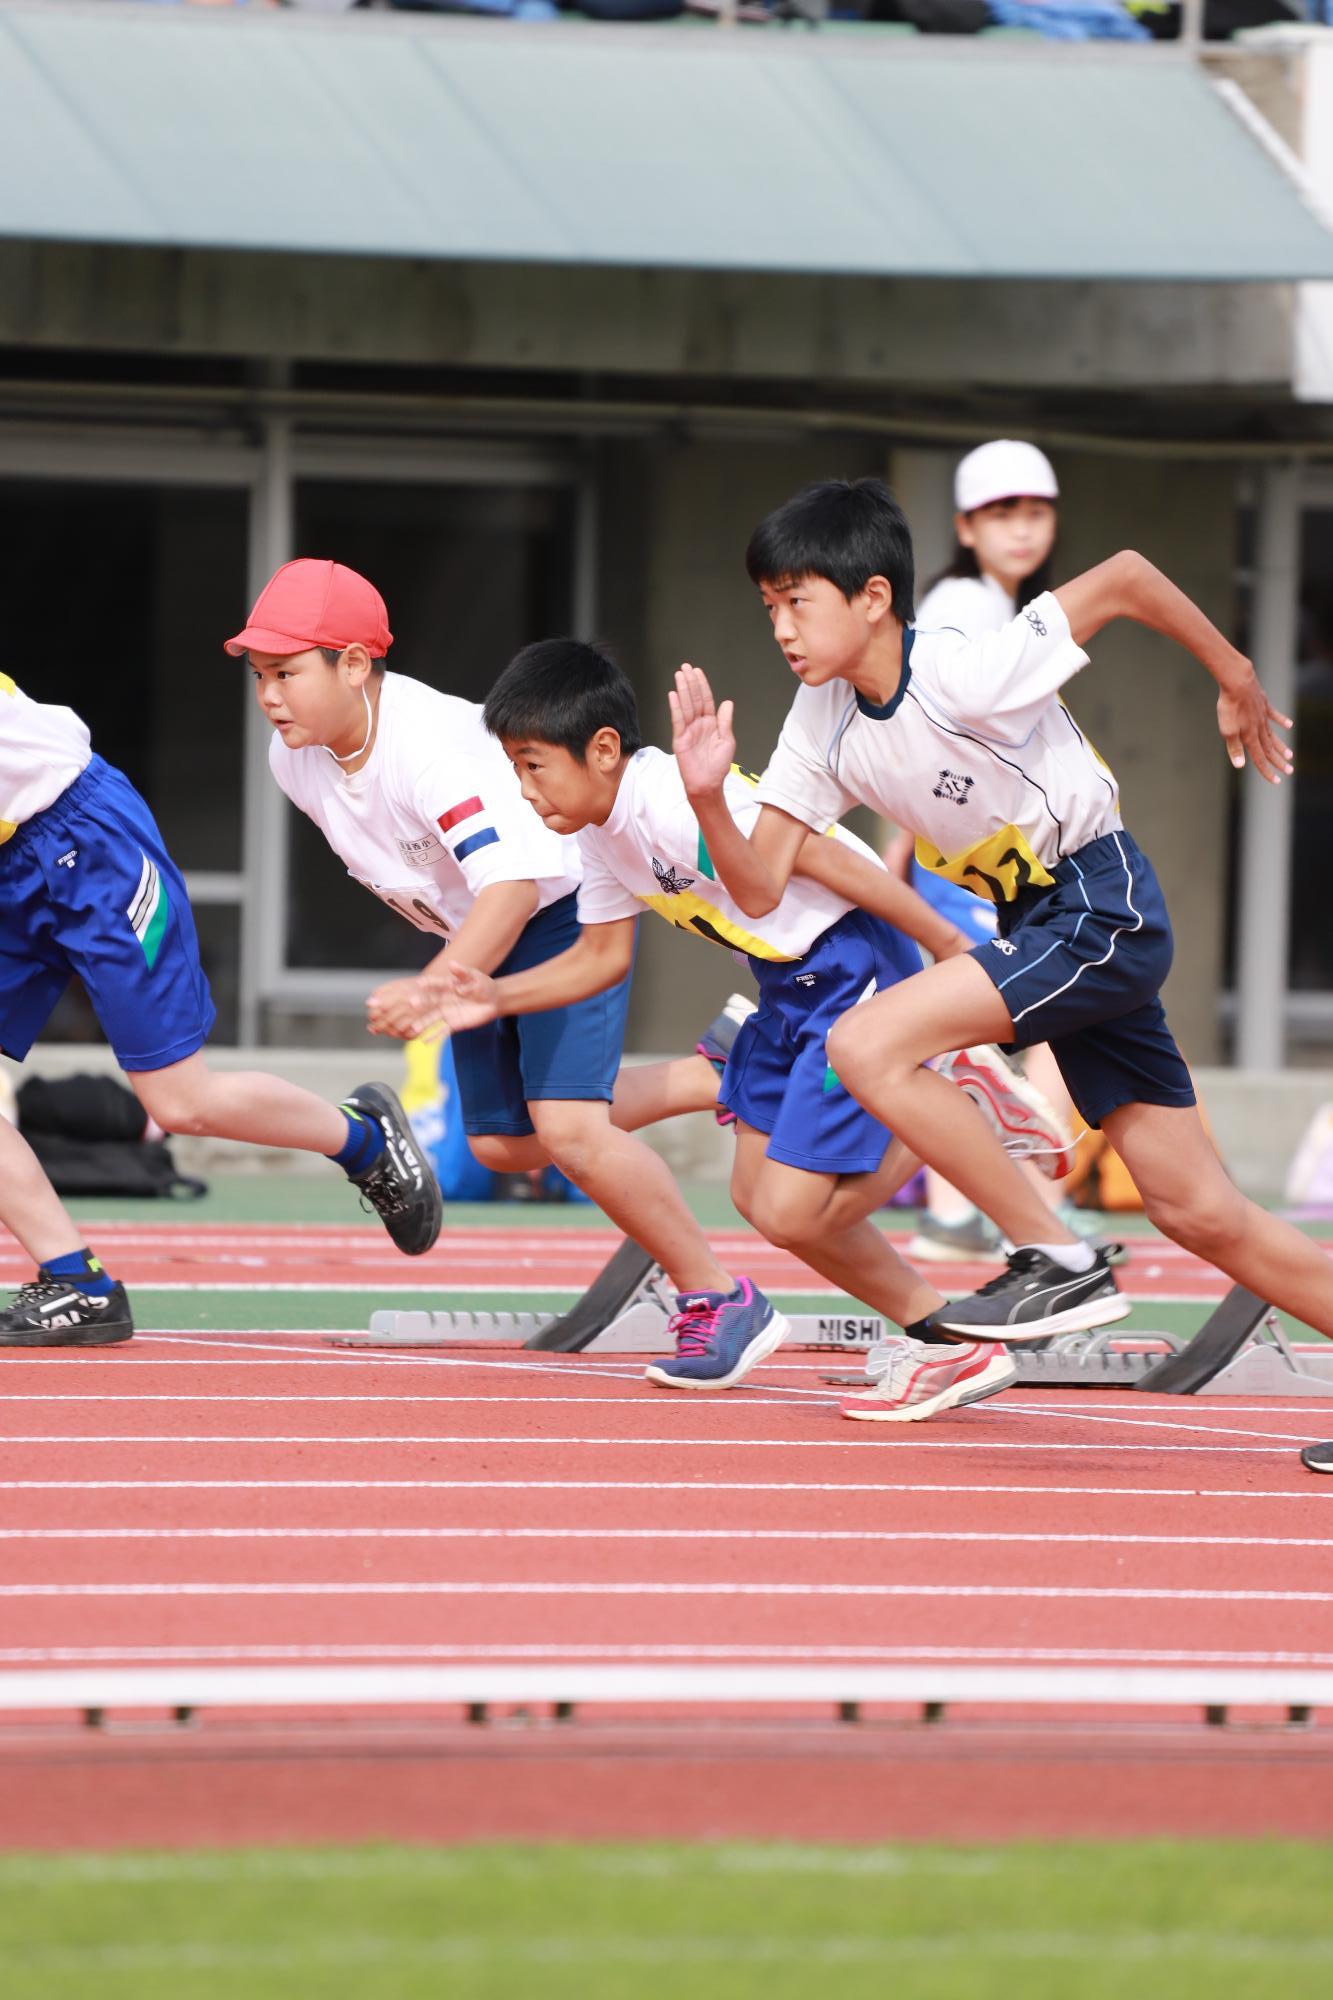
x: 400, y: 1187
x: 50, y: 1312
x: 1034, y: 1297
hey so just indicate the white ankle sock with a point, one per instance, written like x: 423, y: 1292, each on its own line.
x: 1076, y: 1257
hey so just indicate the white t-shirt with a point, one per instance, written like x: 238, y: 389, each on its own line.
x: 43, y: 749
x: 972, y: 605
x: 434, y: 816
x: 975, y: 752
x: 650, y: 851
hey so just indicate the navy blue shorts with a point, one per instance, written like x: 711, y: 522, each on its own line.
x: 88, y: 887
x: 571, y: 1053
x: 1081, y: 966
x: 778, y: 1077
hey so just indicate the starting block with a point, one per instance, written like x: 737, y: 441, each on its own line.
x: 1240, y: 1350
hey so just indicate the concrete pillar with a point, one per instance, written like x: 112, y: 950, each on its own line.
x: 265, y: 820
x: 1266, y: 813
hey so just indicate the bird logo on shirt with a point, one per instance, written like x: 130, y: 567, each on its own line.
x: 668, y: 881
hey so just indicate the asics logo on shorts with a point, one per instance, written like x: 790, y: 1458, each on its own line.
x: 1004, y: 945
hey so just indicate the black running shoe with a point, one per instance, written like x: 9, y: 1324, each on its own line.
x: 400, y: 1187
x: 52, y: 1313
x: 1318, y: 1458
x: 1034, y: 1297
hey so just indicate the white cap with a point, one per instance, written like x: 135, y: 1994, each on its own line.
x: 1002, y: 470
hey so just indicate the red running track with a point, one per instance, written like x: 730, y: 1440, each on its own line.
x: 251, y: 1498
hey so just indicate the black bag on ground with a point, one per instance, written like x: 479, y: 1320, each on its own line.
x: 87, y: 1131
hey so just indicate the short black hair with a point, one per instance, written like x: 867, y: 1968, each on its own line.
x: 846, y: 530
x: 563, y: 691
x: 332, y: 655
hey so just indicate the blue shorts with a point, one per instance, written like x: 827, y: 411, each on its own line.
x: 973, y: 915
x: 778, y: 1078
x: 1081, y: 966
x: 571, y: 1053
x: 87, y: 887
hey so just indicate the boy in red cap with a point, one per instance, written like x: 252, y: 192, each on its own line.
x: 421, y: 803
x: 87, y: 887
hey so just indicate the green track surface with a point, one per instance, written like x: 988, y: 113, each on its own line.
x: 294, y: 1198
x: 1096, y: 1922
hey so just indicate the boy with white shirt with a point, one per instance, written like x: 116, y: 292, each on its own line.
x: 811, y: 1165
x: 88, y: 888
x: 420, y: 802
x: 969, y: 743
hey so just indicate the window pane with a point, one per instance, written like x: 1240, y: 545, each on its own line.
x: 1311, y: 963
x: 469, y: 574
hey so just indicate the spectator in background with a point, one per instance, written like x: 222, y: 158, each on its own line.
x: 1005, y: 521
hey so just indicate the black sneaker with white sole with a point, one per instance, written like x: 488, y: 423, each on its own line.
x: 1034, y: 1297
x: 1318, y: 1458
x: 50, y: 1312
x: 401, y: 1186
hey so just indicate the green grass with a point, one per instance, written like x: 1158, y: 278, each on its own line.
x: 1078, y: 1921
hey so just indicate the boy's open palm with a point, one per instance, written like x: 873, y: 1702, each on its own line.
x: 462, y: 998
x: 1246, y: 720
x: 701, y: 734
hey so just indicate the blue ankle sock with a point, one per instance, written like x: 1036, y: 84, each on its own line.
x: 80, y: 1268
x: 362, y: 1146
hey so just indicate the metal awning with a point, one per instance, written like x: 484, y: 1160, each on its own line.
x: 691, y: 148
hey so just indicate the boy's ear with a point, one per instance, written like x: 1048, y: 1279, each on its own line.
x: 355, y: 662
x: 878, y: 595
x: 604, y: 749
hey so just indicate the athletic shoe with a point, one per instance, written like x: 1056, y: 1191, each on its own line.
x: 400, y: 1187
x: 1034, y: 1297
x: 719, y: 1039
x: 720, y: 1337
x: 937, y: 1242
x: 1027, y: 1122
x: 916, y: 1381
x: 1318, y: 1458
x: 50, y: 1312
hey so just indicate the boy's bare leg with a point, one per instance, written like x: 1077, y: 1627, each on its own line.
x: 191, y: 1099
x: 878, y: 1050
x: 1187, y: 1194
x: 800, y: 1212
x: 32, y: 1210
x: 649, y: 1092
x: 632, y: 1185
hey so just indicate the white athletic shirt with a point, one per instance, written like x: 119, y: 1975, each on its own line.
x: 975, y: 752
x: 43, y: 749
x: 650, y: 851
x: 434, y: 816
x: 972, y: 605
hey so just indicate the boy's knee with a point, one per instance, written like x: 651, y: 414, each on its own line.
x: 174, y: 1103
x: 501, y: 1154
x: 574, y: 1135
x: 1204, y: 1221
x: 787, y: 1224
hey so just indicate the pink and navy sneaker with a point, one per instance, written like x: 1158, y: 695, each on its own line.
x: 720, y: 1337
x: 719, y: 1039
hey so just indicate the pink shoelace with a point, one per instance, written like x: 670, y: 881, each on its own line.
x: 693, y: 1328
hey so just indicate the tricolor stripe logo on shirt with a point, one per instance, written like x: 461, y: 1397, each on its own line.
x: 149, y: 911
x: 467, y: 843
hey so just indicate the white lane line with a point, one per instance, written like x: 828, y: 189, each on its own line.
x: 447, y: 1587
x: 669, y: 1531
x: 1095, y: 1655
x: 1149, y: 1423
x: 836, y: 1441
x: 964, y: 1491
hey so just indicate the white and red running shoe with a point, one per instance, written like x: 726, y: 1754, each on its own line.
x: 917, y: 1379
x: 1028, y: 1123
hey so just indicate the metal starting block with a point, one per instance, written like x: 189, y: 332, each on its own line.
x: 1240, y: 1350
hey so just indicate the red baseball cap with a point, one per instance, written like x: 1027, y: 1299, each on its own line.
x: 308, y: 603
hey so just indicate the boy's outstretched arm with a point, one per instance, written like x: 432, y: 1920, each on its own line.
x: 488, y: 933
x: 875, y: 888
x: 463, y: 997
x: 1128, y: 586
x: 754, y: 871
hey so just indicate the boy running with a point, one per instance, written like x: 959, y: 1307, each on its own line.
x: 811, y: 1164
x: 420, y: 802
x: 87, y: 887
x: 969, y: 743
